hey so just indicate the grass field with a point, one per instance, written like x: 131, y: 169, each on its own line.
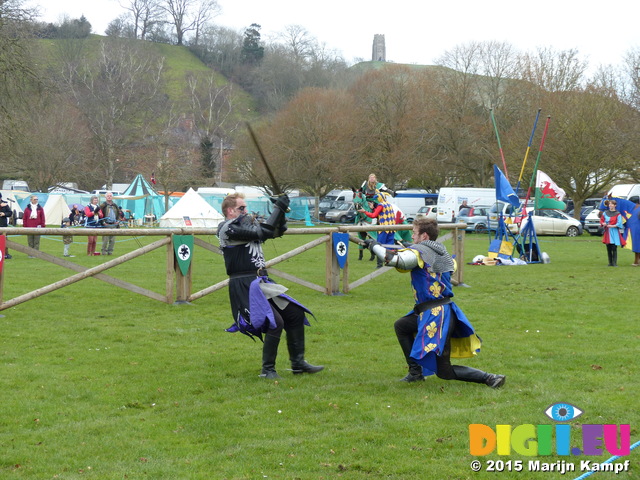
x: 98, y: 383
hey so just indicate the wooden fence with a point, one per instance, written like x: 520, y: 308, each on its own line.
x: 178, y: 288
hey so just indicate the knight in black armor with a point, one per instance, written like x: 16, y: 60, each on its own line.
x: 260, y: 307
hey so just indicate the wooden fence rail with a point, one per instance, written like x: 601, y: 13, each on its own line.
x: 178, y: 286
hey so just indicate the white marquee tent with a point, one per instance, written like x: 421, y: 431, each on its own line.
x: 55, y: 209
x: 193, y: 209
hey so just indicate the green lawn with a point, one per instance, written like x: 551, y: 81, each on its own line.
x: 96, y: 382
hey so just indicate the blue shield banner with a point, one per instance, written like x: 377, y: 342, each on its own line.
x: 341, y: 247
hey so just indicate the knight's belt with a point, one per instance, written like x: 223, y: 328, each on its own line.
x: 261, y: 272
x: 424, y: 306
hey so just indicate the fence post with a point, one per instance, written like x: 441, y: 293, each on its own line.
x: 332, y: 269
x: 458, y: 250
x: 183, y: 280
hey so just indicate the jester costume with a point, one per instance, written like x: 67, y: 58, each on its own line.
x: 385, y: 214
x: 611, y: 221
x: 259, y: 306
x: 436, y: 329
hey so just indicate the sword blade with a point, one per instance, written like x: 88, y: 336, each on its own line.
x: 274, y: 183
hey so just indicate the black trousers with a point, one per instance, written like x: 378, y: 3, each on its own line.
x: 406, y: 329
x: 289, y: 318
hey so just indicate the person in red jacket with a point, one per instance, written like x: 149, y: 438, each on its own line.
x: 92, y: 215
x: 33, y: 218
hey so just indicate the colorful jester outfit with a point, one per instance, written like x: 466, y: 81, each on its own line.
x: 386, y: 216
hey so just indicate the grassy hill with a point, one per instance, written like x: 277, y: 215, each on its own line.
x: 51, y: 54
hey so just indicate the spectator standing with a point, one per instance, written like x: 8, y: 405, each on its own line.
x: 92, y: 215
x: 67, y: 240
x: 111, y: 216
x: 33, y: 218
x: 5, y: 214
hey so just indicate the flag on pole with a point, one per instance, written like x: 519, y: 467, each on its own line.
x: 548, y: 194
x: 504, y: 192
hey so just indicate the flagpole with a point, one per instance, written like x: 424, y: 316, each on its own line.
x: 535, y: 168
x: 495, y: 127
x: 526, y: 154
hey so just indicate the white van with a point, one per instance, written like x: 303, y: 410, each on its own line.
x: 338, y: 196
x: 451, y: 198
x: 15, y: 185
x: 628, y: 191
x: 411, y: 200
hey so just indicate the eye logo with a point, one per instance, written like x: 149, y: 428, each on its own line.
x: 562, y: 412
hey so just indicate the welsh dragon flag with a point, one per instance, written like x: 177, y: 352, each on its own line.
x: 548, y: 194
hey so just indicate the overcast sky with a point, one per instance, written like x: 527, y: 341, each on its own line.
x: 417, y: 31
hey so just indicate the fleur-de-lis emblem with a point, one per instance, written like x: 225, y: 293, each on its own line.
x: 429, y: 347
x: 432, y: 329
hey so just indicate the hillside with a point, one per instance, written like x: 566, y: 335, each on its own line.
x: 179, y: 62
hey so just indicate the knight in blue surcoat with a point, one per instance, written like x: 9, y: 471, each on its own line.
x: 436, y: 329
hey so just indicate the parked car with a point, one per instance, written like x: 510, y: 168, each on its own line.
x: 343, y: 213
x: 592, y: 222
x: 553, y: 222
x: 427, y: 211
x: 512, y: 216
x: 323, y: 207
x: 476, y: 218
x: 584, y: 211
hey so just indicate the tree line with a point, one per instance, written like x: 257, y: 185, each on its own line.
x: 429, y: 127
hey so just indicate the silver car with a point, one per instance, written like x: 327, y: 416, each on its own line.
x: 476, y: 218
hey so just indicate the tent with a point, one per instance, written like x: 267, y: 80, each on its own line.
x: 191, y: 211
x: 139, y: 187
x: 141, y: 199
x: 55, y: 209
x: 13, y: 198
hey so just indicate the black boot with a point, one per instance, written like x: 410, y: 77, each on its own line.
x: 373, y: 255
x: 295, y: 344
x: 360, y: 252
x: 468, y: 374
x: 415, y: 373
x: 614, y: 256
x: 269, y: 354
x: 415, y: 370
x: 610, y: 255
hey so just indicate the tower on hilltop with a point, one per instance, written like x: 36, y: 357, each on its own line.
x: 379, y: 51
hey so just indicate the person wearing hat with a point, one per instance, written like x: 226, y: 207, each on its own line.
x: 5, y: 214
x: 436, y: 329
x: 67, y: 240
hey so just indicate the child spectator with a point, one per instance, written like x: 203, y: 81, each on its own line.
x: 66, y: 239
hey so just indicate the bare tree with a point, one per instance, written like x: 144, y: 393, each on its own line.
x: 118, y: 95
x: 211, y: 107
x: 554, y: 71
x: 592, y: 141
x: 145, y: 15
x: 189, y: 15
x: 49, y: 151
x: 298, y: 41
x: 308, y: 144
x: 205, y: 12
